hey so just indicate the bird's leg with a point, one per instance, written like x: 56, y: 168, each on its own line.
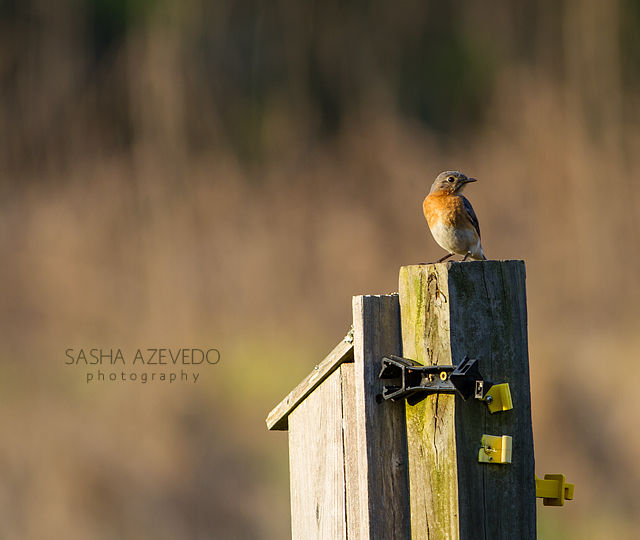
x: 466, y: 256
x: 444, y: 258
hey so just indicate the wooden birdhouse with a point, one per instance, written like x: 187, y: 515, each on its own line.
x: 418, y: 423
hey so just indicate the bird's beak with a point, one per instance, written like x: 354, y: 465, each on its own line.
x: 469, y: 180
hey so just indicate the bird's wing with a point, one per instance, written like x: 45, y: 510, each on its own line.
x: 471, y: 214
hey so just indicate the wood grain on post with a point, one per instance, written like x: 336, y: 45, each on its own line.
x: 449, y: 311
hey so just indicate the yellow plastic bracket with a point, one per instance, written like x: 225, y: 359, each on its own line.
x: 553, y: 490
x: 495, y: 449
x: 498, y: 398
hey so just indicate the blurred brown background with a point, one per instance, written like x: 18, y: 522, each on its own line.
x: 229, y: 174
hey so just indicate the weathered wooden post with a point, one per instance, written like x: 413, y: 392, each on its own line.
x: 361, y: 467
x: 478, y: 310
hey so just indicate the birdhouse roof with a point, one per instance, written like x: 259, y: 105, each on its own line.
x: 342, y: 352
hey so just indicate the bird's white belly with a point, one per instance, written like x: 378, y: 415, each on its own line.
x: 455, y: 240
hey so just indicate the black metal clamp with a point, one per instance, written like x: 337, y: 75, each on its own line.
x: 417, y: 381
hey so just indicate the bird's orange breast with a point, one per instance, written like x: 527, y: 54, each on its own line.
x: 443, y: 208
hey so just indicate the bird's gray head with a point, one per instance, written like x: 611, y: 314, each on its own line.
x: 451, y: 182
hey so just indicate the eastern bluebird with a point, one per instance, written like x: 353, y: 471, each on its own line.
x: 451, y: 218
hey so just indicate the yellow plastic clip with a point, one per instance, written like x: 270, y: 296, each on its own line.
x: 495, y: 449
x: 554, y: 490
x: 498, y: 398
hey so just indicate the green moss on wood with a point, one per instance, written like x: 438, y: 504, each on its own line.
x: 449, y: 311
x: 424, y: 308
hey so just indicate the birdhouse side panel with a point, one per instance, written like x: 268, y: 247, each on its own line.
x: 316, y: 464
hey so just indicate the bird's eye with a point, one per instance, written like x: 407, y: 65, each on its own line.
x: 450, y: 179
